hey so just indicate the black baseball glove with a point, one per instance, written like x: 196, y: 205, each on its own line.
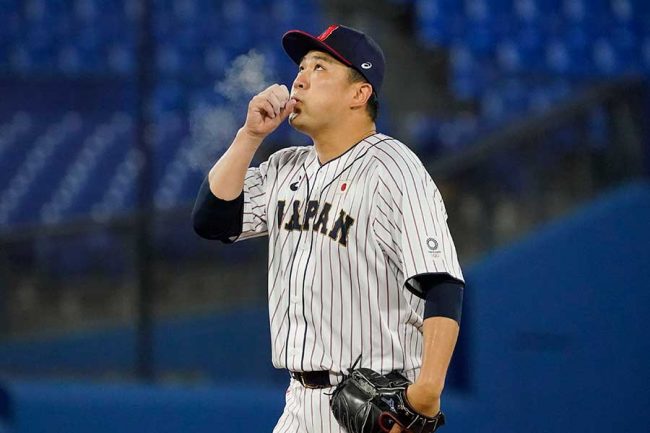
x: 368, y: 402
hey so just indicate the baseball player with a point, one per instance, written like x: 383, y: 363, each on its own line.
x: 361, y: 262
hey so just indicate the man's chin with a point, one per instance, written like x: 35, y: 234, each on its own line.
x: 296, y: 122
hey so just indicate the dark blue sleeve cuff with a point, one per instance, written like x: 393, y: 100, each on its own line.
x: 218, y: 219
x: 443, y: 295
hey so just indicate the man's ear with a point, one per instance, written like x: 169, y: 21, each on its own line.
x: 362, y: 93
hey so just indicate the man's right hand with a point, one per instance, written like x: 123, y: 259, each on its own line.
x: 265, y: 113
x: 267, y: 110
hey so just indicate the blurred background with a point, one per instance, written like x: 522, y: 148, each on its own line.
x: 531, y: 116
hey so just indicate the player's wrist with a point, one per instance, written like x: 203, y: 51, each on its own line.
x: 426, y: 389
x: 423, y: 400
x: 249, y: 139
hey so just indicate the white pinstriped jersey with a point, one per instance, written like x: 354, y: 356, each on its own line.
x: 345, y: 237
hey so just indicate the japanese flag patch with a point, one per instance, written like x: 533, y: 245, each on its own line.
x: 343, y: 186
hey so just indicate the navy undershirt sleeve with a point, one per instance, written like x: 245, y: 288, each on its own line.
x: 443, y: 295
x: 218, y: 219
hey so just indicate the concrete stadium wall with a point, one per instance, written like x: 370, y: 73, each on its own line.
x: 68, y: 407
x: 560, y: 323
x: 555, y: 326
x: 210, y: 348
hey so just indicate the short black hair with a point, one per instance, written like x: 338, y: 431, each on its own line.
x: 372, y: 107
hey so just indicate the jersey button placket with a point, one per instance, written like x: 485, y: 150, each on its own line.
x: 296, y: 314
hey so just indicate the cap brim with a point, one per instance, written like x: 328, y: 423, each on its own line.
x: 298, y: 43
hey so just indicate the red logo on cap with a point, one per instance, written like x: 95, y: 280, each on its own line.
x: 326, y: 34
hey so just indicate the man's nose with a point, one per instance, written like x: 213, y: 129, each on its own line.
x: 301, y: 81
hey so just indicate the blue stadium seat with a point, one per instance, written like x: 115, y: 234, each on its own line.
x: 120, y: 194
x: 29, y: 170
x: 515, y: 94
x: 611, y: 60
x: 526, y: 10
x: 583, y: 11
x: 522, y: 52
x: 481, y: 38
x: 206, y: 96
x: 20, y: 59
x: 493, y: 107
x: 215, y: 59
x: 91, y: 49
x: 17, y: 138
x: 236, y: 13
x: 186, y: 11
x: 120, y: 59
x: 170, y: 130
x: 569, y: 60
x: 170, y: 185
x: 461, y: 131
x: 87, y: 11
x: 40, y: 43
x: 169, y: 60
x: 35, y: 10
x: 163, y: 25
x: 627, y: 44
x: 605, y: 57
x: 510, y: 56
x: 239, y: 40
x: 469, y: 72
x: 189, y: 186
x: 286, y: 15
x: 491, y: 12
x: 10, y: 20
x: 103, y: 150
x: 439, y: 21
x: 623, y: 11
x: 68, y: 131
x: 69, y: 59
x: 168, y: 96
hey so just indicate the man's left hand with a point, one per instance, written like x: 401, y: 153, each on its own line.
x: 423, y: 400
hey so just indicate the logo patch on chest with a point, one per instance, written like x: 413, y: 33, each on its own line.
x: 295, y: 182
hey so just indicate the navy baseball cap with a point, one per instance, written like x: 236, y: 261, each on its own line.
x: 349, y: 46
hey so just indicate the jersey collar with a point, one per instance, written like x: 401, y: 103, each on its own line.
x: 348, y: 156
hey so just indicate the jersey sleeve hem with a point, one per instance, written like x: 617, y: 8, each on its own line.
x: 414, y: 286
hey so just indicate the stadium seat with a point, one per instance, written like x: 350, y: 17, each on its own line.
x: 466, y: 81
x: 121, y: 59
x: 32, y: 166
x: 16, y: 139
x: 439, y: 21
x: 170, y: 187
